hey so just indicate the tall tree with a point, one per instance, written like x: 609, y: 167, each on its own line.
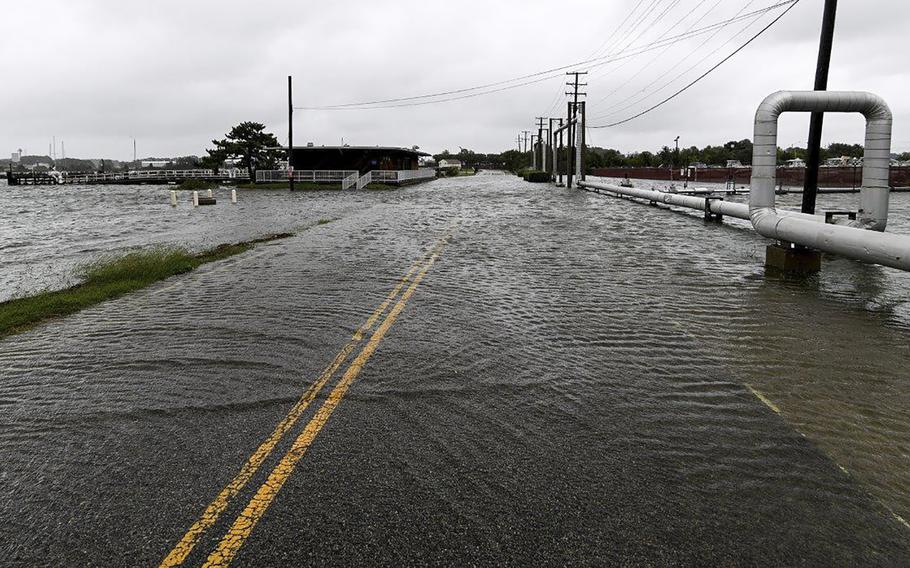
x: 251, y: 145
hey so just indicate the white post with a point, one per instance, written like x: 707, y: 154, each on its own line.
x: 210, y: 193
x: 173, y: 198
x: 234, y: 196
x: 195, y: 199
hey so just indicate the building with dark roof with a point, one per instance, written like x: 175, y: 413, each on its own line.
x: 360, y: 158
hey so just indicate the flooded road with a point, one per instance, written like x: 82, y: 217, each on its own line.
x: 554, y: 377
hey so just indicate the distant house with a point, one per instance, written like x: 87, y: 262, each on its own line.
x: 734, y: 164
x: 795, y: 163
x: 448, y: 163
x: 698, y: 165
x: 154, y: 163
x: 842, y: 162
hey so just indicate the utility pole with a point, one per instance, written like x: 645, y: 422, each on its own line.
x: 134, y: 152
x: 519, y: 143
x: 290, y: 135
x: 572, y: 115
x: 551, y: 141
x: 62, y: 150
x: 540, y: 129
x: 810, y: 185
x: 54, y: 148
x: 581, y: 152
x: 526, y: 132
x: 533, y: 153
x: 556, y: 161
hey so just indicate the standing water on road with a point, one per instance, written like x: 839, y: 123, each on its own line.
x: 579, y: 376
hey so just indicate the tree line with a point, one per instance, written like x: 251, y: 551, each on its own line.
x: 595, y: 157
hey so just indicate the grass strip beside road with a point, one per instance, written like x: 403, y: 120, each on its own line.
x: 111, y: 277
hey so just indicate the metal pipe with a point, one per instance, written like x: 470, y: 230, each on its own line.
x: 853, y: 240
x: 873, y: 212
x: 716, y: 206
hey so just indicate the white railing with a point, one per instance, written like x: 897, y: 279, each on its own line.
x: 422, y: 173
x: 314, y: 176
x: 364, y: 180
x: 384, y: 176
x: 347, y: 178
x: 150, y: 175
x: 350, y: 181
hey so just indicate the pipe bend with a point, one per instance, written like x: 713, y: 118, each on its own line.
x: 873, y: 211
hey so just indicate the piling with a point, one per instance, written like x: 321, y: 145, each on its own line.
x: 234, y: 196
x: 195, y: 199
x: 173, y: 198
x: 210, y: 194
x: 789, y: 259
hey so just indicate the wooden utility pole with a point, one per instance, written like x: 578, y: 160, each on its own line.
x: 572, y: 116
x: 810, y: 185
x: 290, y: 134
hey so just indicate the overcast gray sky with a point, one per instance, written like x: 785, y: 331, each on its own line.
x: 175, y: 74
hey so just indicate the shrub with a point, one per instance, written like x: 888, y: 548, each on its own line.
x: 537, y: 176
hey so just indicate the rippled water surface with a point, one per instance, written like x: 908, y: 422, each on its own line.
x: 632, y: 349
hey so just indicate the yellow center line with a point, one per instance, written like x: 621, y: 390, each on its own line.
x: 238, y: 532
x: 214, y: 510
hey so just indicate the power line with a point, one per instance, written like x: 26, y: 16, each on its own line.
x: 683, y: 73
x: 703, y: 75
x: 668, y: 30
x: 536, y: 77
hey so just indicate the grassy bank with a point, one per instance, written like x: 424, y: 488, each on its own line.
x: 308, y: 186
x: 112, y: 277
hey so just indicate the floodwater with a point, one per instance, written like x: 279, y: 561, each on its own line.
x: 579, y: 378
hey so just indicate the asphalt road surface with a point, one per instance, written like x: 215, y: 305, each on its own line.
x: 474, y: 371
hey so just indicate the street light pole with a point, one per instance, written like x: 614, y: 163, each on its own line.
x: 675, y: 157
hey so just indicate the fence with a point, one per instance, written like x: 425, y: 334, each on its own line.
x: 151, y: 175
x: 314, y: 176
x: 348, y: 178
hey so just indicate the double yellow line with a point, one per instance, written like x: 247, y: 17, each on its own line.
x: 237, y: 534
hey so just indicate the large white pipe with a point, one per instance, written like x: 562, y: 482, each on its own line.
x: 717, y: 206
x: 853, y: 241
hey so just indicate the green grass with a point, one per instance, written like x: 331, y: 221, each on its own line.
x: 324, y: 221
x: 111, y: 277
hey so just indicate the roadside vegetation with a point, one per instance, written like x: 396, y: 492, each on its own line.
x: 111, y: 277
x: 533, y: 176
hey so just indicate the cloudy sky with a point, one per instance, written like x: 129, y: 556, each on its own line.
x: 175, y: 74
